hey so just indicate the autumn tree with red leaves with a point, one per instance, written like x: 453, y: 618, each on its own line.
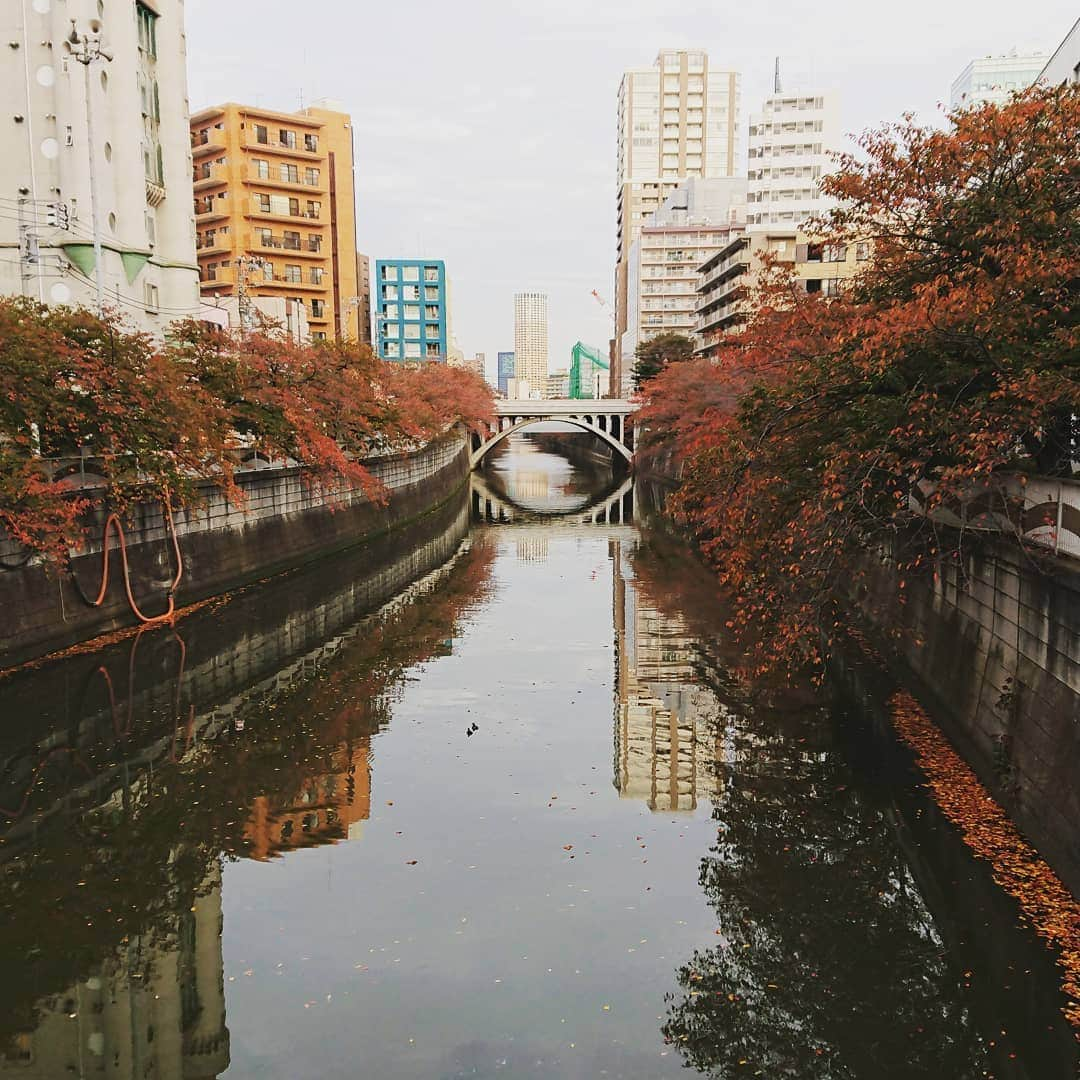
x: 953, y: 357
x: 165, y: 418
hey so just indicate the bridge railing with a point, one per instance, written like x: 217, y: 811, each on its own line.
x: 1042, y: 510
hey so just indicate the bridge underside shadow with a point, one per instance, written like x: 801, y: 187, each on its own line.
x: 613, y: 507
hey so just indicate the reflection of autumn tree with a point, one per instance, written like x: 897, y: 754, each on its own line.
x: 826, y: 963
x: 130, y: 868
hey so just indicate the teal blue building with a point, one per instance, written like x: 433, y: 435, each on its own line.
x: 410, y: 309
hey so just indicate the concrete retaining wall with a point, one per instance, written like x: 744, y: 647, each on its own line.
x: 284, y: 520
x: 993, y: 646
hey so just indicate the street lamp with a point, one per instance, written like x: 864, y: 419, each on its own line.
x: 88, y: 49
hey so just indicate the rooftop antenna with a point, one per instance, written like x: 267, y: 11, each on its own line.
x: 777, y: 88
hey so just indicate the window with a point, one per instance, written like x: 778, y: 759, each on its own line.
x: 294, y: 208
x: 314, y: 210
x: 390, y: 273
x: 314, y: 242
x: 268, y: 270
x: 151, y: 295
x: 431, y: 293
x: 833, y: 286
x: 311, y: 177
x: 318, y: 309
x: 266, y: 237
x: 262, y: 134
x: 291, y: 240
x: 390, y: 292
x: 431, y: 273
x: 862, y: 251
x: 262, y: 203
x: 311, y: 143
x: 390, y: 311
x: 834, y: 253
x: 294, y: 275
x: 392, y: 350
x: 316, y: 275
x: 289, y: 174
x: 287, y: 138
x: 433, y: 350
x: 412, y: 331
x: 410, y: 292
x: 410, y: 273
x: 260, y: 168
x: 431, y: 311
x: 412, y: 311
x: 279, y: 205
x: 412, y: 350
x: 147, y: 29
x: 318, y: 335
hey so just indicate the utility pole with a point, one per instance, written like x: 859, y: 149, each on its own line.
x: 243, y: 301
x: 87, y: 49
x: 28, y: 246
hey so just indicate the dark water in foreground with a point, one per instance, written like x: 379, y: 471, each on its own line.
x: 495, y: 808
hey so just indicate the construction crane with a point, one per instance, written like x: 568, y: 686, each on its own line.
x: 604, y: 304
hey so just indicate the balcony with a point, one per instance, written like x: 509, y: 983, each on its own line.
x: 302, y: 249
x: 273, y: 146
x: 212, y: 142
x: 273, y: 179
x: 207, y: 176
x: 310, y: 220
x: 218, y: 210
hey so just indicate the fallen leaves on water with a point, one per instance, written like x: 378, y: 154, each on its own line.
x: 1017, y: 867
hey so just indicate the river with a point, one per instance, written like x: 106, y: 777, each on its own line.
x: 485, y: 799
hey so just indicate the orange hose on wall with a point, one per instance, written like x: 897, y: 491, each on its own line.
x: 112, y: 522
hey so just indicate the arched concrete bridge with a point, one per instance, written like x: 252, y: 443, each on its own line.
x: 607, y: 420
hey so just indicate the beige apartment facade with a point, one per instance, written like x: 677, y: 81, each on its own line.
x: 275, y: 214
x: 726, y: 279
x: 677, y: 119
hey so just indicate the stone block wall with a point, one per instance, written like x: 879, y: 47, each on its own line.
x: 993, y: 645
x: 285, y: 519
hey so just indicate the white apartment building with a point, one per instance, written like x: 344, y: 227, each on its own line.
x: 993, y: 78
x: 789, y: 150
x: 531, y: 343
x: 696, y: 220
x: 1064, y: 65
x: 677, y: 119
x: 141, y: 153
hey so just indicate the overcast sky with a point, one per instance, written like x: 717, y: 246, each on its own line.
x: 485, y: 129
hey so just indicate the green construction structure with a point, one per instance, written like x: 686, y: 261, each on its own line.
x: 585, y: 362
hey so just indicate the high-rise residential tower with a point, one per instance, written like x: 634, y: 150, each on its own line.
x: 993, y: 78
x: 411, y: 317
x: 531, y: 341
x: 677, y: 119
x: 275, y: 212
x: 137, y: 84
x: 791, y: 143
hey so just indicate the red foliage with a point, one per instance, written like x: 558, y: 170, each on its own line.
x: 954, y: 354
x: 164, y: 418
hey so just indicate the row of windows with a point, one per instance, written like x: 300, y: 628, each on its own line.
x: 410, y: 311
x: 285, y: 138
x: 286, y: 172
x: 412, y: 331
x: 291, y: 274
x: 409, y: 273
x: 393, y: 350
x: 409, y: 292
x: 284, y: 206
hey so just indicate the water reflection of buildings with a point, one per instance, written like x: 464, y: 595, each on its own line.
x: 522, y: 485
x: 532, y: 549
x: 155, y: 1012
x: 328, y: 807
x: 665, y: 722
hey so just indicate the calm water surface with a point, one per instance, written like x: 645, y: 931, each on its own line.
x: 484, y: 801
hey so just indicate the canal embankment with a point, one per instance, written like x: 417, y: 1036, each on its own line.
x: 283, y: 519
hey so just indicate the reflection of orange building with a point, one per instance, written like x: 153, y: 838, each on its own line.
x: 328, y: 807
